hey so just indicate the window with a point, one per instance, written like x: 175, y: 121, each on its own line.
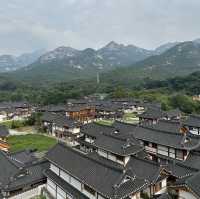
x: 65, y: 176
x: 120, y: 158
x: 179, y: 154
x: 163, y: 150
x: 89, y: 190
x: 154, y: 145
x: 146, y: 143
x: 127, y: 178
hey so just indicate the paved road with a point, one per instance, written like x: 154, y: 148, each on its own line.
x: 15, y: 132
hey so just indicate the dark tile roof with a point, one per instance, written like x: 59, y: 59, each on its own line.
x: 60, y: 120
x: 117, y: 146
x: 175, y: 140
x: 8, y: 169
x: 193, y: 160
x: 78, y: 108
x: 192, y: 120
x: 77, y: 101
x: 53, y: 108
x: 192, y: 183
x: 178, y: 168
x: 13, y: 176
x: 154, y: 134
x: 110, y: 107
x: 166, y: 125
x: 107, y: 182
x: 109, y: 163
x: 111, y: 139
x: 22, y: 158
x: 96, y: 130
x: 173, y: 113
x: 153, y: 113
x: 31, y: 174
x: 124, y: 128
x: 3, y: 131
x: 144, y: 169
x: 8, y: 105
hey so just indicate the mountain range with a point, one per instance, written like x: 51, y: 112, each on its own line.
x: 114, y: 62
x: 12, y: 63
x: 66, y: 63
x: 180, y: 60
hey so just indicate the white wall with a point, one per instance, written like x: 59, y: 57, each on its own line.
x: 29, y: 194
x: 186, y: 195
x: 102, y: 153
x: 194, y: 131
x: 54, y: 169
x: 75, y: 130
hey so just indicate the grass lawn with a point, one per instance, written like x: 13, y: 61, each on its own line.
x: 105, y: 122
x: 130, y: 117
x: 13, y: 123
x: 30, y: 141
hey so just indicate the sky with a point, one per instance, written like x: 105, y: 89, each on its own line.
x: 29, y: 25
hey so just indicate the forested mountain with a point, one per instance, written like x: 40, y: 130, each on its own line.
x: 179, y: 60
x: 66, y: 63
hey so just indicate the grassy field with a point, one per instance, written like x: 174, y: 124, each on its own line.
x: 30, y: 141
x: 105, y: 122
x: 12, y: 124
x: 131, y: 118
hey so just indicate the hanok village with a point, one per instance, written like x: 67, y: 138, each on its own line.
x: 104, y: 149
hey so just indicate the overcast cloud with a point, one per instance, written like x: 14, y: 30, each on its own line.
x: 27, y: 25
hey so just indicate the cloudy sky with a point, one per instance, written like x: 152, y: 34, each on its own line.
x: 27, y: 25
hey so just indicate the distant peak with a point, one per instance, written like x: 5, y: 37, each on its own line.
x: 65, y: 48
x: 113, y: 45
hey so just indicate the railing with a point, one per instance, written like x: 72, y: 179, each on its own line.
x: 151, y: 150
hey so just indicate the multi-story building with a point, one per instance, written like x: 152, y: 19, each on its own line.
x: 60, y: 126
x: 92, y: 175
x: 193, y: 124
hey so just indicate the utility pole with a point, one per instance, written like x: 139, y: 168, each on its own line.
x: 98, y: 79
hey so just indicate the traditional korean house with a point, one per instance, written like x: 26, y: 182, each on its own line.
x: 193, y: 124
x: 188, y: 187
x: 109, y: 110
x: 83, y: 114
x: 60, y: 108
x: 15, y: 110
x: 164, y: 139
x: 101, y: 177
x: 61, y: 126
x: 152, y: 116
x: 161, y: 143
x: 24, y: 157
x: 174, y: 114
x: 170, y: 126
x: 130, y: 105
x: 18, y: 180
x: 109, y: 145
